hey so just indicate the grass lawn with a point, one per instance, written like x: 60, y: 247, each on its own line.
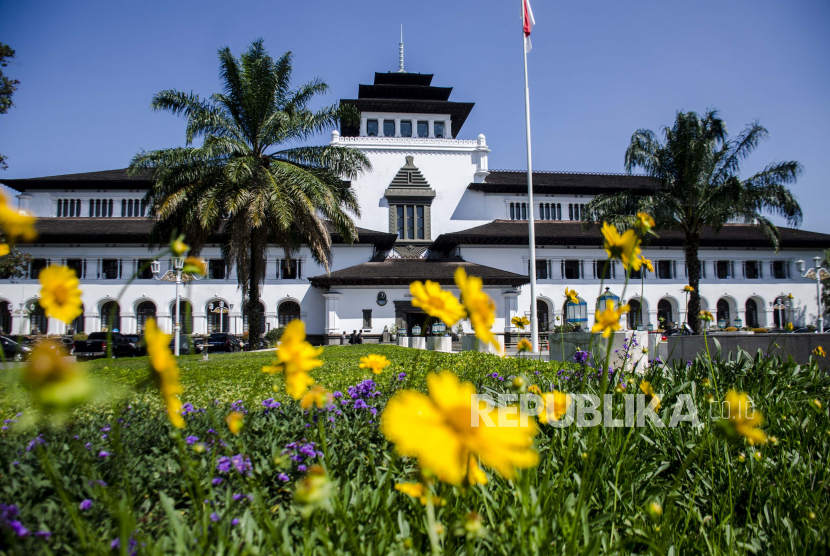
x: 623, y: 490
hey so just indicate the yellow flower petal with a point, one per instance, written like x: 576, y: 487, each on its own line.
x: 59, y: 293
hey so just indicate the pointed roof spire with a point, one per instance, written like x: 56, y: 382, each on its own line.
x: 400, y: 54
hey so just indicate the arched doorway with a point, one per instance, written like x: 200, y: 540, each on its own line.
x: 218, y: 317
x: 635, y: 314
x: 39, y: 320
x: 665, y: 314
x: 542, y: 315
x: 78, y: 325
x: 186, y: 316
x: 110, y: 317
x: 261, y: 318
x: 5, y: 317
x: 146, y: 310
x: 723, y: 312
x: 751, y: 313
x: 288, y: 311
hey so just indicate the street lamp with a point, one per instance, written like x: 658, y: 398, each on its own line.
x: 818, y: 273
x: 171, y: 276
x: 220, y: 310
x: 781, y: 309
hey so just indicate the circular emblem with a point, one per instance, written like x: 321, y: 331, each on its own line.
x: 381, y: 298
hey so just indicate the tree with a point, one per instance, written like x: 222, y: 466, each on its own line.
x: 236, y: 184
x: 14, y: 263
x: 7, y: 88
x: 696, y: 169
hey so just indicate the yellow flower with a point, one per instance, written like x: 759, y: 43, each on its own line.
x: 648, y: 390
x: 706, y: 316
x: 480, y: 308
x: 235, y: 420
x: 744, y: 419
x: 706, y: 382
x: 4, y: 249
x: 556, y: 406
x: 419, y: 491
x: 193, y: 265
x: 15, y: 226
x: 295, y: 358
x: 819, y: 352
x: 313, y: 491
x: 790, y: 296
x: 608, y: 321
x: 437, y: 430
x: 56, y: 382
x: 475, y: 474
x: 166, y: 375
x: 644, y: 222
x: 524, y: 345
x: 318, y: 396
x: 789, y: 327
x: 179, y: 247
x: 59, y: 293
x: 688, y: 289
x: 647, y: 263
x: 374, y: 362
x: 521, y: 321
x: 625, y: 247
x: 436, y: 302
x: 534, y: 389
x: 815, y: 402
x: 572, y: 296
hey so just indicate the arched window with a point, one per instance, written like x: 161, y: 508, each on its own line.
x: 77, y: 325
x: 751, y: 313
x: 664, y: 313
x: 542, y: 312
x: 261, y: 318
x: 635, y: 314
x: 5, y: 317
x: 218, y: 317
x: 110, y: 317
x: 145, y: 310
x: 576, y: 313
x: 723, y: 312
x: 39, y: 320
x: 288, y: 311
x: 186, y: 318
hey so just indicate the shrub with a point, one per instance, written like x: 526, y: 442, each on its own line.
x: 245, y: 336
x: 80, y: 337
x: 273, y: 336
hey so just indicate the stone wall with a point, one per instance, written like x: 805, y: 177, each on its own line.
x: 799, y: 346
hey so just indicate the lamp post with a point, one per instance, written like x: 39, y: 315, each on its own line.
x: 219, y: 310
x: 170, y: 276
x: 819, y: 273
x: 781, y: 309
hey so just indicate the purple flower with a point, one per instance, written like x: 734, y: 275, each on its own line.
x: 131, y: 545
x: 581, y: 356
x: 402, y: 376
x: 105, y: 429
x: 301, y: 468
x: 85, y: 505
x: 373, y: 411
x: 98, y: 482
x: 223, y: 464
x: 360, y: 404
x: 187, y: 408
x: 283, y: 477
x: 36, y: 441
x: 237, y: 497
x: 191, y: 440
x: 103, y: 454
x: 214, y: 517
x: 7, y: 515
x: 43, y: 534
x: 234, y: 522
x: 217, y: 481
x: 4, y: 428
x: 270, y: 404
x: 238, y: 406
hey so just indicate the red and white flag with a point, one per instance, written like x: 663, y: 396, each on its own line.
x: 529, y: 22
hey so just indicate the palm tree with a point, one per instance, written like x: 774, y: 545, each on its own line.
x: 239, y: 185
x: 696, y: 168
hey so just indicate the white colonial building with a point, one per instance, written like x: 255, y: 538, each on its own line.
x: 430, y: 203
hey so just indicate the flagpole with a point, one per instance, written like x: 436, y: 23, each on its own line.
x: 534, y: 325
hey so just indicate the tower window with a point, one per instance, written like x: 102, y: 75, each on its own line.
x: 406, y: 129
x: 388, y: 128
x: 372, y: 128
x: 423, y: 129
x: 438, y: 127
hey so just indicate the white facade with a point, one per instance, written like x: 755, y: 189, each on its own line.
x: 449, y: 166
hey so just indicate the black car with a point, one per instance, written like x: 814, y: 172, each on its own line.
x: 223, y: 342
x: 13, y: 350
x: 138, y: 341
x: 188, y: 345
x: 96, y: 345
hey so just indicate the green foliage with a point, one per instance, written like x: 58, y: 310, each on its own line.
x: 591, y: 493
x: 273, y: 336
x: 14, y: 264
x: 80, y: 337
x: 7, y: 88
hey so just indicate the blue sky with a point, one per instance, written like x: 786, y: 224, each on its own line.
x: 599, y: 70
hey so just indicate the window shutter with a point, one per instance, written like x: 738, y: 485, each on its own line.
x: 595, y: 268
x: 674, y: 269
x: 760, y: 269
x: 743, y: 267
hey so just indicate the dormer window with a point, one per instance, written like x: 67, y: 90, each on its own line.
x: 423, y: 129
x: 439, y: 129
x: 406, y: 129
x: 372, y: 128
x: 388, y: 128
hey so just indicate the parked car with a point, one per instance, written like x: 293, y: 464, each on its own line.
x: 138, y: 341
x: 96, y: 345
x: 13, y: 350
x: 252, y: 345
x: 223, y: 342
x: 188, y: 345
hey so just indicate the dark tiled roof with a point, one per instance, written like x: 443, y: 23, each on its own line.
x: 515, y: 232
x: 548, y: 183
x: 107, y: 179
x: 400, y: 272
x: 137, y: 230
x: 403, y: 78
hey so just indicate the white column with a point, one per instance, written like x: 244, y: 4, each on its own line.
x: 332, y: 318
x: 447, y: 129
x: 380, y: 127
x: 363, y: 131
x: 397, y: 127
x: 511, y: 308
x: 23, y: 203
x: 54, y: 207
x: 431, y: 129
